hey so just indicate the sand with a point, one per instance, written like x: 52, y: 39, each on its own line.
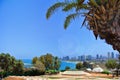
x: 67, y: 75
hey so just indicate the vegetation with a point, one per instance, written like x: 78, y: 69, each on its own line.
x: 39, y: 66
x: 79, y: 65
x: 67, y: 68
x: 10, y: 66
x: 111, y: 64
x: 34, y: 60
x: 106, y: 72
x: 47, y: 63
x: 102, y: 16
x: 52, y: 71
x: 33, y: 72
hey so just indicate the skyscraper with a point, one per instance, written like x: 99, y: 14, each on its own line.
x: 97, y: 56
x: 108, y: 55
x: 112, y: 55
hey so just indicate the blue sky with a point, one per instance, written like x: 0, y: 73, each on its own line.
x: 25, y: 32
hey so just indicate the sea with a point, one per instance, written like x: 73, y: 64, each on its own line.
x: 28, y: 64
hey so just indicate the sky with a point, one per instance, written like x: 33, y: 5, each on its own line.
x: 25, y: 32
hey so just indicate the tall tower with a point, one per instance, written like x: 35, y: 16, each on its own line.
x: 108, y: 55
x: 112, y: 55
x: 97, y: 56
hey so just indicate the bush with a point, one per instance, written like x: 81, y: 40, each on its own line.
x: 106, y: 72
x: 111, y: 64
x: 33, y: 72
x: 3, y: 74
x: 62, y: 70
x: 79, y: 65
x: 39, y: 66
x: 67, y: 68
x: 52, y: 72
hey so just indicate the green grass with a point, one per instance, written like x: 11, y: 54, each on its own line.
x: 55, y: 77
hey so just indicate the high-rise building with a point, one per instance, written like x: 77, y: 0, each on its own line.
x: 83, y: 58
x: 112, y: 55
x: 109, y: 55
x: 101, y: 57
x: 66, y: 58
x: 79, y: 58
x: 97, y: 56
x: 89, y: 57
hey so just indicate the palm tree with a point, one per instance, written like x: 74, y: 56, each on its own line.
x: 101, y: 16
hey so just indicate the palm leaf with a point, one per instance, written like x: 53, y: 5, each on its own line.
x: 69, y: 18
x: 69, y: 6
x: 53, y: 8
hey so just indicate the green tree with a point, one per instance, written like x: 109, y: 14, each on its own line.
x: 34, y: 60
x: 111, y: 64
x: 18, y: 67
x: 6, y: 61
x: 56, y: 63
x: 50, y: 62
x: 79, y: 65
x: 102, y: 16
x: 86, y: 64
x: 9, y: 64
x: 40, y: 66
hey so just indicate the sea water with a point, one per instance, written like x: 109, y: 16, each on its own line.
x: 28, y: 64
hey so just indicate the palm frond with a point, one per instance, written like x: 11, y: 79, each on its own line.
x: 69, y: 18
x: 93, y: 3
x: 69, y: 6
x: 53, y: 8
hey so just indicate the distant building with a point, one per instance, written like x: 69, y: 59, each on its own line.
x: 101, y: 57
x: 89, y: 57
x: 79, y: 58
x: 97, y: 56
x: 73, y: 58
x: 112, y: 55
x: 109, y: 55
x: 83, y: 58
x: 66, y: 58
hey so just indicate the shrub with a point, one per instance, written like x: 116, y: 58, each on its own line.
x: 67, y: 68
x: 106, y: 72
x: 79, y: 65
x: 2, y: 74
x: 33, y: 72
x: 52, y: 72
x: 111, y: 64
x: 39, y: 66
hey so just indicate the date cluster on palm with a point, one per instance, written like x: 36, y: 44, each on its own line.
x: 104, y: 20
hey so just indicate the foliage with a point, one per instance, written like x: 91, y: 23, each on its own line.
x: 34, y: 60
x: 56, y: 63
x: 52, y: 71
x: 67, y: 68
x: 50, y: 62
x: 79, y: 65
x: 111, y: 64
x: 18, y: 67
x: 33, y: 72
x: 85, y: 64
x: 101, y: 16
x: 106, y: 72
x: 9, y: 64
x: 39, y: 66
x: 2, y: 74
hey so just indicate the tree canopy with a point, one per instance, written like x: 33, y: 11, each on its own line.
x: 8, y: 63
x: 49, y: 61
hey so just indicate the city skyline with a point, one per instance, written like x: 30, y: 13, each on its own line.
x: 25, y: 32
